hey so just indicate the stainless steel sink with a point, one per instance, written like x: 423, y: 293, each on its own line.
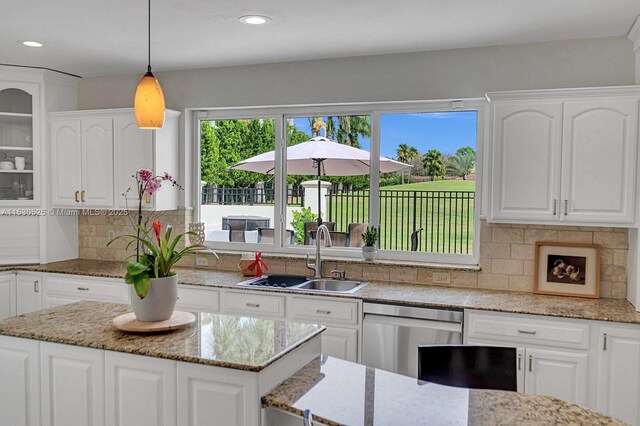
x: 334, y: 286
x: 297, y: 282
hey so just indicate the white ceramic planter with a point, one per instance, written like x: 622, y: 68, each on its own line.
x: 159, y: 303
x: 369, y: 252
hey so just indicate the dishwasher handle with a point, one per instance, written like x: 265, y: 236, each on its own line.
x: 411, y: 322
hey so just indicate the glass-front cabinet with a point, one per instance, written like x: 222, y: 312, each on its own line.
x: 19, y: 144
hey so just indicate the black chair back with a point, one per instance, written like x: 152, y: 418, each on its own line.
x: 477, y: 367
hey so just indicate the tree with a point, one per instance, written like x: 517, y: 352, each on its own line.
x: 466, y: 150
x: 406, y: 154
x: 434, y: 164
x: 209, y: 153
x: 347, y: 129
x: 461, y: 165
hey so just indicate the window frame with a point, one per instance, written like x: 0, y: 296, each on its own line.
x: 280, y: 113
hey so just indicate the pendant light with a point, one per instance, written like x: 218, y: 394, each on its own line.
x: 148, y: 105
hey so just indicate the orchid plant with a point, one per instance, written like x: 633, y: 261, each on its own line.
x: 159, y: 254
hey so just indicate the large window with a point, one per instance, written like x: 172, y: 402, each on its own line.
x: 256, y: 192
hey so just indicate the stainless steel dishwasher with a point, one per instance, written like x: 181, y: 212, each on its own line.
x: 392, y: 334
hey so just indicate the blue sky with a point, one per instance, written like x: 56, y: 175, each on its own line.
x: 444, y: 131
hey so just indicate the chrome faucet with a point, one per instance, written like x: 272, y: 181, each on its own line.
x: 322, y: 232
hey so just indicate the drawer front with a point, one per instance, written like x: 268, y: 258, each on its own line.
x: 525, y: 329
x: 322, y: 311
x: 198, y: 299
x: 87, y: 288
x: 258, y: 304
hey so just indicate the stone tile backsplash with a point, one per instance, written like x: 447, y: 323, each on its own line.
x: 506, y: 255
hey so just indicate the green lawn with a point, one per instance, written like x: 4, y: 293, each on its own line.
x: 446, y: 218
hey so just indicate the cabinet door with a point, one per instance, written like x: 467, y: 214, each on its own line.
x: 559, y: 374
x: 133, y: 382
x: 599, y: 160
x: 20, y: 390
x: 340, y: 343
x: 66, y: 163
x: 97, y: 162
x: 133, y: 151
x: 29, y: 290
x: 72, y: 385
x: 619, y: 374
x: 7, y: 296
x: 526, y: 160
x: 229, y: 396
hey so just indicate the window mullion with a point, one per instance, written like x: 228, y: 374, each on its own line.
x: 280, y: 182
x: 374, y: 171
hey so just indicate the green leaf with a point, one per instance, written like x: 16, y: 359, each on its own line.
x: 142, y: 286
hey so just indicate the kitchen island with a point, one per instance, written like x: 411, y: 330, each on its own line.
x: 69, y: 366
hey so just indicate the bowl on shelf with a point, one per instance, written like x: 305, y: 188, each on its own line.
x: 6, y: 165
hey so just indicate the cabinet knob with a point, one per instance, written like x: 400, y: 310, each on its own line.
x: 530, y: 363
x: 77, y: 196
x: 555, y: 207
x: 566, y: 207
x: 83, y: 288
x: 36, y: 286
x: 82, y: 196
x: 253, y: 305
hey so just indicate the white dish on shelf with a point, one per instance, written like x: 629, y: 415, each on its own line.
x: 6, y: 165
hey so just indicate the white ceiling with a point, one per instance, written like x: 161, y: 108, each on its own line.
x: 101, y: 37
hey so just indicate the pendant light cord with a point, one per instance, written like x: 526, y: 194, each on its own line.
x: 149, y: 38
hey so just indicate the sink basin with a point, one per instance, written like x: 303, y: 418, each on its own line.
x: 276, y: 281
x: 335, y: 286
x: 300, y: 282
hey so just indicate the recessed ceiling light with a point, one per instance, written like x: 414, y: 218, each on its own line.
x: 254, y: 19
x: 31, y: 43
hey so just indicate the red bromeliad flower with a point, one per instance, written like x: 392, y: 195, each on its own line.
x: 157, y: 227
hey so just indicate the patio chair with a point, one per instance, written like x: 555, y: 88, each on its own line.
x: 267, y: 236
x: 338, y: 239
x: 236, y: 229
x: 311, y: 226
x: 355, y: 234
x: 415, y: 239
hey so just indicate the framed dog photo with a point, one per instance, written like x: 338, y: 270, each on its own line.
x: 567, y: 269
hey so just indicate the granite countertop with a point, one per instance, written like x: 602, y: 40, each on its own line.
x: 241, y: 343
x: 616, y: 310
x: 339, y: 392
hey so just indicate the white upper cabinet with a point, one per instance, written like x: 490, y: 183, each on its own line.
x: 97, y: 153
x: 599, y: 153
x: 137, y: 149
x: 527, y: 149
x: 97, y: 159
x: 19, y: 143
x: 567, y: 155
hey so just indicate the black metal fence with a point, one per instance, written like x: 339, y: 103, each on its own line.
x: 426, y: 221
x: 249, y: 196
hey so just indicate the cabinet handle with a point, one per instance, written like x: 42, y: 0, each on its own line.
x: 82, y: 196
x: 76, y: 196
x: 36, y: 286
x: 555, y: 207
x: 83, y: 288
x: 531, y: 333
x: 530, y: 363
x: 253, y: 305
x: 566, y: 207
x: 519, y: 362
x: 322, y: 311
x: 604, y: 344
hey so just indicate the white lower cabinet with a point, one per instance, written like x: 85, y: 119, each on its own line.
x: 553, y: 354
x: 72, y: 385
x: 340, y: 343
x: 212, y: 396
x: 557, y: 373
x: 7, y: 295
x: 140, y: 391
x: 618, y: 389
x: 20, y: 378
x: 62, y: 289
x: 29, y: 292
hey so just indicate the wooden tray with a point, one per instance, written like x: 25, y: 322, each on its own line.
x: 128, y: 322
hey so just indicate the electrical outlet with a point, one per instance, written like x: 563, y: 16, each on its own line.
x: 442, y: 278
x: 111, y: 234
x: 202, y: 261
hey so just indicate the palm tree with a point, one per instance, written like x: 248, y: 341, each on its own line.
x: 434, y: 164
x: 406, y: 154
x: 460, y: 165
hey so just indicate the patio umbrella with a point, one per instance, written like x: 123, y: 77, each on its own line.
x: 322, y: 157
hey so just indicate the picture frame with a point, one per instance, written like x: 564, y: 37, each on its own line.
x: 567, y: 269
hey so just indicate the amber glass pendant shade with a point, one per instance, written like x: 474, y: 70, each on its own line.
x: 148, y: 105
